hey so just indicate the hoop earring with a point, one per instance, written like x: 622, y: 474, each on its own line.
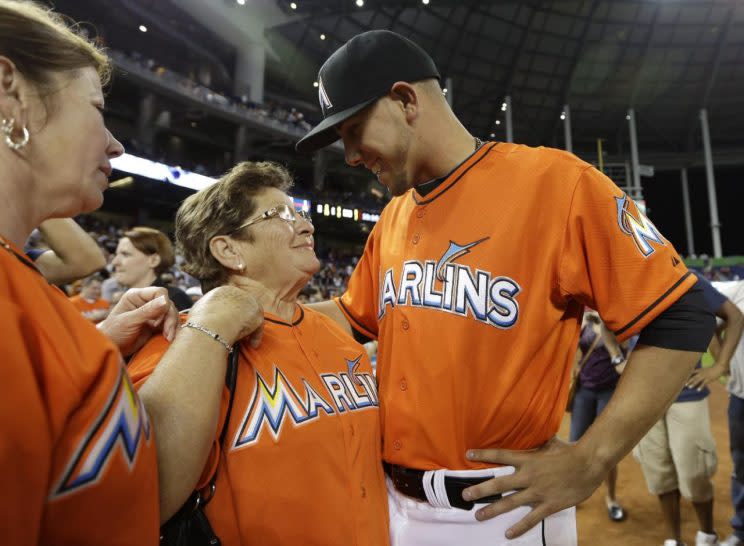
x: 7, y: 126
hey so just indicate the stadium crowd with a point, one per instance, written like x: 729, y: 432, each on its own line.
x: 162, y: 404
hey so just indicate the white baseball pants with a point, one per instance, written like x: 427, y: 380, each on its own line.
x: 417, y: 523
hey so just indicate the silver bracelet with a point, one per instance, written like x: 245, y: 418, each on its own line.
x: 215, y: 336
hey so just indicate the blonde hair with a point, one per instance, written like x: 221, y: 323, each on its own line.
x: 42, y: 43
x: 219, y: 210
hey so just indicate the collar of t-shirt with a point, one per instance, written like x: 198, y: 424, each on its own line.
x: 426, y: 188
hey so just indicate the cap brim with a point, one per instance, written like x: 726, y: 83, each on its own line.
x: 325, y: 133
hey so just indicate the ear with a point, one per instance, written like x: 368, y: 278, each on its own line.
x: 14, y: 93
x: 406, y: 95
x: 153, y: 260
x: 224, y: 250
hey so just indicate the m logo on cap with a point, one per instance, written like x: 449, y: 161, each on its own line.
x: 325, y: 102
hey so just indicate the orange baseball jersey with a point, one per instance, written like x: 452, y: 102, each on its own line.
x: 76, y: 446
x: 475, y: 292
x: 302, y: 459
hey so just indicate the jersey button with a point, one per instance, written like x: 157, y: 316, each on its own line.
x: 415, y: 239
x: 397, y: 445
x: 403, y: 384
x: 405, y: 324
x: 420, y: 213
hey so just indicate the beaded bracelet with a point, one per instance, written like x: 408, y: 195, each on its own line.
x: 215, y: 336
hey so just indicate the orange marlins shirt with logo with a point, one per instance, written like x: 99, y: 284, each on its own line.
x: 301, y: 462
x: 76, y: 446
x: 476, y: 289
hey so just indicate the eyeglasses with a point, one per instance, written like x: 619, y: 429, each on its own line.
x: 283, y: 212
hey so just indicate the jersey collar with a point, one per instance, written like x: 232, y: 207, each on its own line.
x: 428, y: 191
x: 297, y: 317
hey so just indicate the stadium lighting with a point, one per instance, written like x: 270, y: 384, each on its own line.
x: 315, y: 84
x: 143, y: 28
x: 293, y: 5
x: 425, y: 2
x: 360, y: 3
x: 493, y: 135
x: 322, y: 36
x: 498, y: 122
x: 444, y: 90
x: 563, y: 115
x: 241, y: 2
x: 627, y: 117
x: 503, y: 107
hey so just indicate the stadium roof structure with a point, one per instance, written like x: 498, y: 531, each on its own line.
x: 666, y: 59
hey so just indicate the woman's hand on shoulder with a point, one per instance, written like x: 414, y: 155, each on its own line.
x: 140, y: 313
x: 232, y: 312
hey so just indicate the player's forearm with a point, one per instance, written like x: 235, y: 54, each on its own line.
x: 651, y: 381
x: 182, y: 398
x: 331, y: 310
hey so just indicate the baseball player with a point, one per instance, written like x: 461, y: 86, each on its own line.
x: 474, y: 281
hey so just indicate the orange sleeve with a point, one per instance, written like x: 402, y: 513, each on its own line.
x: 359, y: 302
x: 144, y: 362
x: 615, y: 260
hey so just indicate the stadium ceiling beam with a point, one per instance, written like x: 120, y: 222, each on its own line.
x: 455, y: 49
x: 711, y: 77
x: 588, y: 20
x: 644, y: 55
x: 620, y: 128
x: 488, y: 94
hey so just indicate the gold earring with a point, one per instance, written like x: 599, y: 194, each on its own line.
x: 7, y: 126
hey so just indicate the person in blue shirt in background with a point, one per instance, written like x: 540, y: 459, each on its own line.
x: 678, y: 455
x: 599, y: 362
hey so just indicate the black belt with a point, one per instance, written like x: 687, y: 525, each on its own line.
x: 411, y: 482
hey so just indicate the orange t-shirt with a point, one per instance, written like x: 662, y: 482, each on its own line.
x: 476, y: 290
x: 302, y: 458
x: 76, y: 446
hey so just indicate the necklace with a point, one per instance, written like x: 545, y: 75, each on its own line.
x: 4, y: 243
x: 478, y: 142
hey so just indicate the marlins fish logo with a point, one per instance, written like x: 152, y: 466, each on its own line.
x: 120, y: 427
x: 325, y: 102
x: 639, y: 227
x: 453, y: 252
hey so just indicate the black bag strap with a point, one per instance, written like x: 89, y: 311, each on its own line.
x: 231, y: 379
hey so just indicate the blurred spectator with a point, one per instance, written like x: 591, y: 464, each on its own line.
x: 142, y: 256
x: 599, y: 362
x: 89, y: 302
x: 734, y: 291
x: 678, y: 455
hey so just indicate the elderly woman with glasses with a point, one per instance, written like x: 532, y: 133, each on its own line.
x: 299, y: 459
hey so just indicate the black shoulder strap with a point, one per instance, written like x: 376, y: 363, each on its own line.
x: 231, y: 378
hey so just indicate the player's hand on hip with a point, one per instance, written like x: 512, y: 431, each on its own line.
x: 702, y: 376
x: 232, y: 312
x: 549, y: 479
x: 140, y: 313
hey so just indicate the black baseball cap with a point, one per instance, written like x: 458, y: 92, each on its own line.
x: 360, y: 72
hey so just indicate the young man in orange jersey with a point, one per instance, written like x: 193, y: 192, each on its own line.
x: 474, y: 281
